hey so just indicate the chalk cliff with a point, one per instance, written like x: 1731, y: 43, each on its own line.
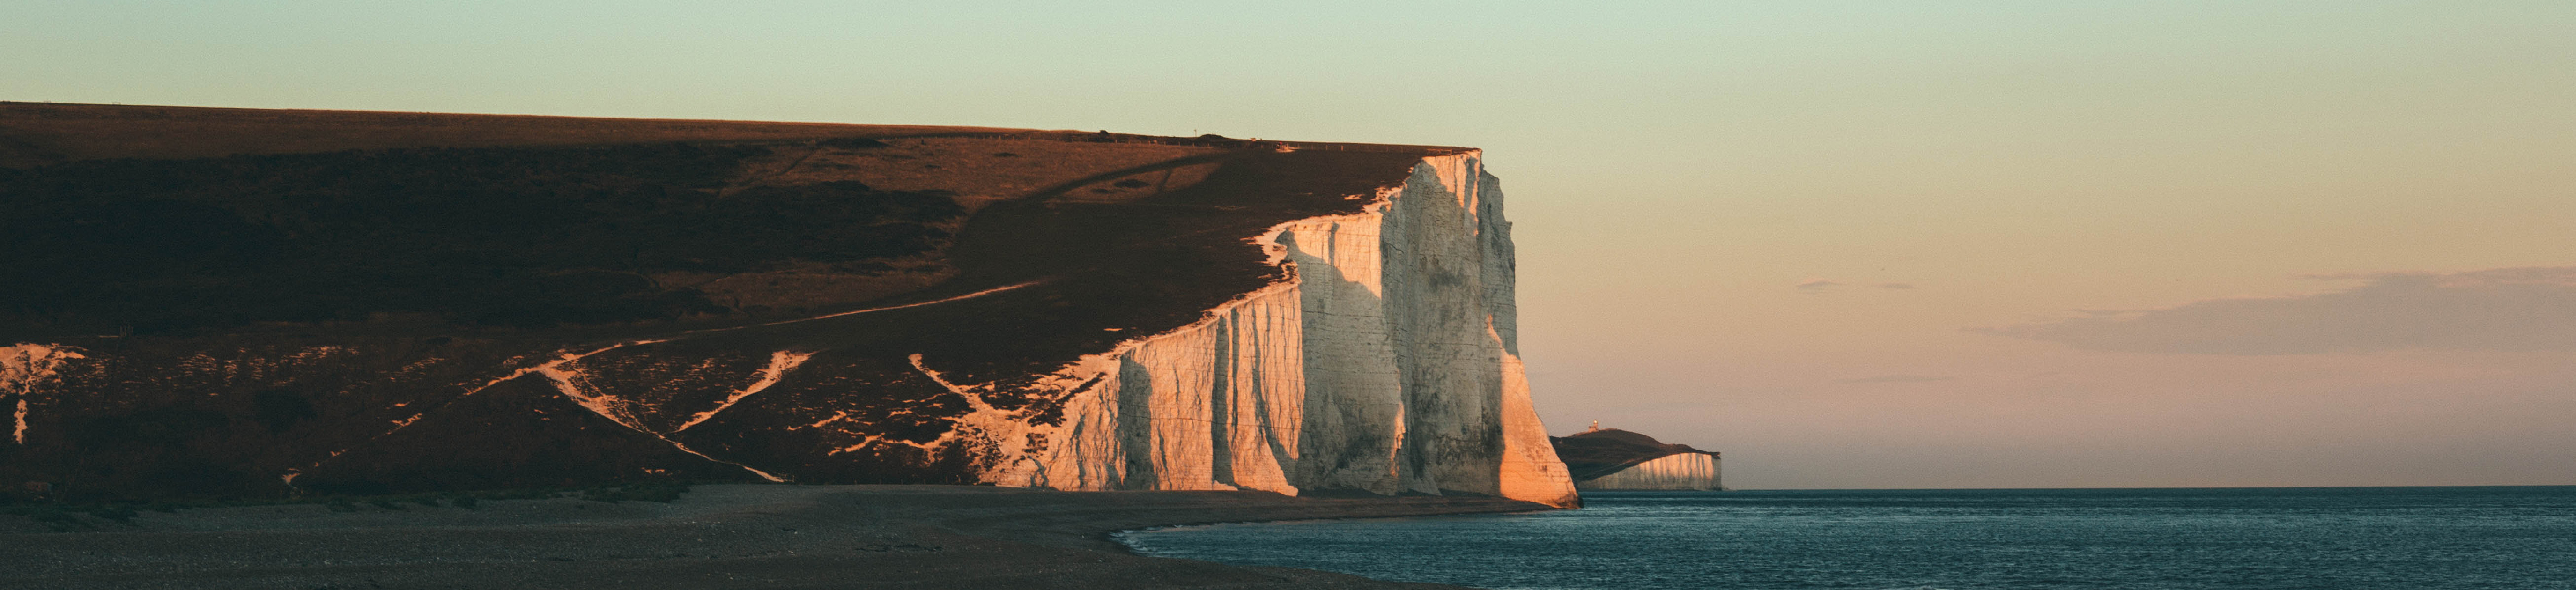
x: 372, y: 302
x: 1682, y: 471
x: 1614, y: 459
x: 1387, y: 362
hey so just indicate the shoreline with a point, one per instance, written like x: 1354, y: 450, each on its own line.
x: 715, y: 536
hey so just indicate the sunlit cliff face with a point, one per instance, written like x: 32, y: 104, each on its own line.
x: 1387, y: 363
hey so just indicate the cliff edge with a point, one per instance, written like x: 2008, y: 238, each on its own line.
x: 237, y: 302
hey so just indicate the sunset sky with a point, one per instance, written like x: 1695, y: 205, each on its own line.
x: 1849, y: 244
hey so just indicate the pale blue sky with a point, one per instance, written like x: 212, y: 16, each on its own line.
x: 1676, y: 169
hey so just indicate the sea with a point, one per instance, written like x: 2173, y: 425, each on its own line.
x: 2394, y: 538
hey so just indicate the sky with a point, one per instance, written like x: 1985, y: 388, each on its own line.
x: 1876, y: 244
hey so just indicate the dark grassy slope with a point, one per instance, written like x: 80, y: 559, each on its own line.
x: 343, y: 316
x: 520, y: 237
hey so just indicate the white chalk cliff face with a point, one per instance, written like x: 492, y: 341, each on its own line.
x: 1680, y: 471
x: 1389, y: 363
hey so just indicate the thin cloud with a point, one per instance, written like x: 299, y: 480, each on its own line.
x: 1813, y: 286
x: 1899, y: 379
x: 1896, y: 285
x: 2513, y: 309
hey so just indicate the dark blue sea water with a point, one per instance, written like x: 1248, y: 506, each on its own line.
x: 2159, y: 539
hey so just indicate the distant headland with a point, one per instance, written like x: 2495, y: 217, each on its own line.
x: 1613, y: 459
